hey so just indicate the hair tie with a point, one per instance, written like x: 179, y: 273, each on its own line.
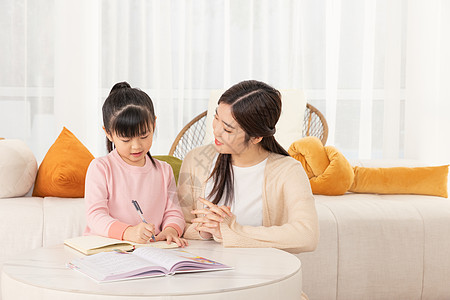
x: 271, y: 131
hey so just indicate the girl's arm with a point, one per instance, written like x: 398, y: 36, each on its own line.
x: 96, y: 200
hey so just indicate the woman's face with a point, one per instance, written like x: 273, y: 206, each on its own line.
x: 229, y: 136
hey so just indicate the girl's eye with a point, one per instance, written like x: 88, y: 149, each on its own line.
x: 144, y: 137
x: 125, y: 141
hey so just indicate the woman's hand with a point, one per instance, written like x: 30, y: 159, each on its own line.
x: 170, y: 235
x: 141, y: 233
x: 208, y: 224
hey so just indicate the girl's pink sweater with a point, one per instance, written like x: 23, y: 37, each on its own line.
x: 111, y: 184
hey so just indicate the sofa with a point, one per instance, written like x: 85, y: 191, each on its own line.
x: 380, y: 247
x: 371, y: 246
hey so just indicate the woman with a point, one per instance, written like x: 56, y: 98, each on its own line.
x: 256, y: 194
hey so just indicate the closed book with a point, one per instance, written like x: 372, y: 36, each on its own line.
x: 92, y: 244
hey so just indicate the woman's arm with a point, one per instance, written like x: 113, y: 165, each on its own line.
x: 291, y: 221
x: 189, y: 189
x: 209, y: 218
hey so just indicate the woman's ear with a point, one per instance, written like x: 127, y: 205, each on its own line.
x: 256, y: 140
x: 154, y: 124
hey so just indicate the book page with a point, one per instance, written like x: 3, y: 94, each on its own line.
x: 174, y: 260
x: 162, y: 257
x: 112, y: 265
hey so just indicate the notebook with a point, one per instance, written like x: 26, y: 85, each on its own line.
x: 91, y: 244
x: 141, y: 263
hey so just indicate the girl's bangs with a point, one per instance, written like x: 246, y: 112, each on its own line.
x: 132, y: 122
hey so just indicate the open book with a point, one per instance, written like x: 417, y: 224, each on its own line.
x: 91, y: 244
x: 141, y: 263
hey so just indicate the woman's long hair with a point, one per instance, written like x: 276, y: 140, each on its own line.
x: 127, y: 112
x: 256, y: 107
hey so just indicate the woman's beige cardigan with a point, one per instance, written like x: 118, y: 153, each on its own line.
x: 289, y: 213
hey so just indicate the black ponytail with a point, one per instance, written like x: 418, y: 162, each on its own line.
x: 128, y: 112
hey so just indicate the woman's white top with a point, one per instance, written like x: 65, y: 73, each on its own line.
x: 248, y: 186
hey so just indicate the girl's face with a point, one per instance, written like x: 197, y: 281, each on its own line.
x: 229, y: 136
x: 133, y: 150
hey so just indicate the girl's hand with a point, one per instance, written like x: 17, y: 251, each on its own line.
x: 212, y: 215
x: 141, y: 233
x: 171, y: 235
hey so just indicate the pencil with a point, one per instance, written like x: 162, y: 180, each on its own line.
x: 138, y: 209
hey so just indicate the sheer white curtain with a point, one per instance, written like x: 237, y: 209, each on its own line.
x: 427, y: 111
x: 377, y: 69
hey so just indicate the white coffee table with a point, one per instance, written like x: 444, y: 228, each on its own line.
x: 260, y: 273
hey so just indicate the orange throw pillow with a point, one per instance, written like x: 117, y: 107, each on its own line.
x: 63, y: 169
x: 401, y: 180
x: 328, y: 170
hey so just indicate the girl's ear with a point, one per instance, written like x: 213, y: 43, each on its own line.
x: 107, y: 134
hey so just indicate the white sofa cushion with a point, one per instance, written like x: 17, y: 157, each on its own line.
x: 385, y: 246
x: 18, y: 168
x: 63, y: 218
x: 21, y: 226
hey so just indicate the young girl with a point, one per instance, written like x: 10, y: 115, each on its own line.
x: 129, y: 173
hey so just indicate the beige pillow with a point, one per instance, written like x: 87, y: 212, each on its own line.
x: 289, y: 126
x: 18, y: 168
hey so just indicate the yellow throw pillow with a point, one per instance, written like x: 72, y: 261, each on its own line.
x: 337, y: 177
x: 330, y: 173
x: 63, y: 170
x: 328, y: 170
x: 312, y: 154
x: 401, y: 180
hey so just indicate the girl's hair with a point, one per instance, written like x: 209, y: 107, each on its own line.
x: 127, y: 112
x: 256, y: 107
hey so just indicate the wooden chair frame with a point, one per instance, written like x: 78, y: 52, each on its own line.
x: 192, y: 135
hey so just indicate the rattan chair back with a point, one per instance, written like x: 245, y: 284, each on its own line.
x: 193, y: 134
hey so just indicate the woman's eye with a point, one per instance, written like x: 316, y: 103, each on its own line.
x: 226, y: 130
